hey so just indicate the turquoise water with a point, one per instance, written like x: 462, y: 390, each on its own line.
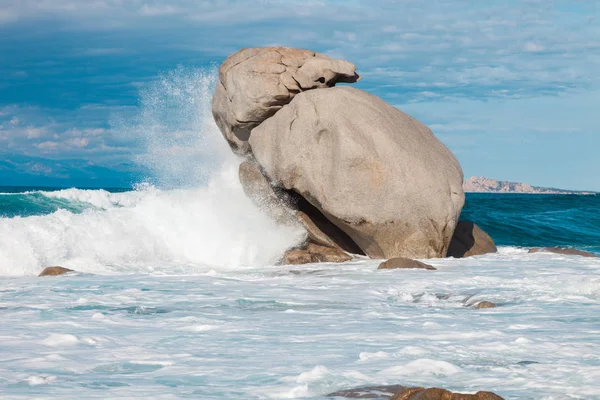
x: 178, y: 295
x: 511, y: 219
x: 537, y: 220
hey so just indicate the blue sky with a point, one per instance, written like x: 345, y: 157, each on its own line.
x: 512, y: 87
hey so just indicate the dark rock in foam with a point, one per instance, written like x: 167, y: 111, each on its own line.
x: 399, y: 392
x: 53, y: 271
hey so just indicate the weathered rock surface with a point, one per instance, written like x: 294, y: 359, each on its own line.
x: 53, y: 271
x: 558, y: 250
x: 373, y: 171
x: 470, y: 240
x: 255, y: 83
x: 398, y: 392
x: 297, y: 257
x: 315, y: 253
x: 404, y: 263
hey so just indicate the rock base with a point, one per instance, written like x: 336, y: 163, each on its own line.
x: 53, y: 271
x: 314, y: 253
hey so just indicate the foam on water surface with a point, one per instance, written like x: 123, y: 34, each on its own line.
x: 265, y: 332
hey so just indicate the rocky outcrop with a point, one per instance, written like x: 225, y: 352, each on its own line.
x: 479, y: 184
x: 373, y: 171
x: 404, y: 263
x: 255, y: 83
x: 53, y: 271
x: 470, y: 240
x: 558, y: 250
x: 359, y: 174
x: 314, y: 253
x: 399, y: 392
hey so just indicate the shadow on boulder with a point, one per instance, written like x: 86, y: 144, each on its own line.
x: 470, y: 240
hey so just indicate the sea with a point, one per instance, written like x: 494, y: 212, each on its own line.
x: 179, y: 293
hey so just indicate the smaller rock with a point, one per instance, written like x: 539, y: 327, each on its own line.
x: 53, y: 271
x: 558, y: 250
x: 297, y: 257
x: 314, y: 253
x: 398, y: 392
x: 484, y: 304
x: 525, y: 363
x: 442, y: 394
x: 404, y: 263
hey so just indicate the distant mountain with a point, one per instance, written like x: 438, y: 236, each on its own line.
x: 479, y: 184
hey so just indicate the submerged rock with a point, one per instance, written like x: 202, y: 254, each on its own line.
x: 558, y: 250
x: 484, y: 304
x: 373, y: 171
x: 255, y: 83
x: 404, y: 263
x: 53, y: 271
x: 470, y: 240
x: 399, y: 392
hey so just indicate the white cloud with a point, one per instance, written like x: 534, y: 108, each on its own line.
x: 533, y: 47
x: 158, y: 10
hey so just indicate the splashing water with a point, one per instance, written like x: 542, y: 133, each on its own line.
x: 195, y: 218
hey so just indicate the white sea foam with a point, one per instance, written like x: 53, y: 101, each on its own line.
x: 185, y: 230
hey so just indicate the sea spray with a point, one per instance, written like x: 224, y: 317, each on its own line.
x: 192, y: 216
x: 180, y: 144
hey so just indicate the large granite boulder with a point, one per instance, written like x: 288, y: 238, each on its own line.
x: 370, y: 169
x: 470, y: 240
x: 255, y: 83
